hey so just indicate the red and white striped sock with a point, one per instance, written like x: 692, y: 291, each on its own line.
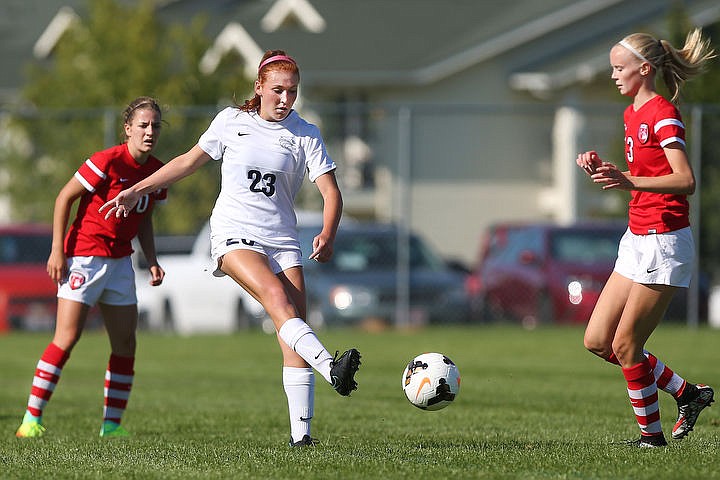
x: 642, y: 391
x: 47, y: 374
x: 118, y: 383
x: 667, y: 380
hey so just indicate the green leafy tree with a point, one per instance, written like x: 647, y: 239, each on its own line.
x: 113, y: 55
x: 702, y: 91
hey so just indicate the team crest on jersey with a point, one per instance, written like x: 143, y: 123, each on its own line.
x: 287, y: 142
x: 643, y: 132
x: 76, y: 280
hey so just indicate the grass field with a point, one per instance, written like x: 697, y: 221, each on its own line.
x: 533, y: 404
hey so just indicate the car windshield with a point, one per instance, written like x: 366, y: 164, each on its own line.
x: 591, y: 246
x: 24, y: 248
x: 356, y: 251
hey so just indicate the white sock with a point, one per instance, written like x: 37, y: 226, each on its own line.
x: 301, y: 338
x: 299, y: 384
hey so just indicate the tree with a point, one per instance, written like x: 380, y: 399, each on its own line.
x: 113, y: 55
x: 702, y: 91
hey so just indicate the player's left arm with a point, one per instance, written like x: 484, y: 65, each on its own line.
x: 680, y: 182
x: 146, y: 237
x: 332, y: 211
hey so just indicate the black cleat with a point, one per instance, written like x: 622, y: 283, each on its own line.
x: 690, y: 404
x: 342, y: 371
x: 306, y: 441
x: 649, y: 441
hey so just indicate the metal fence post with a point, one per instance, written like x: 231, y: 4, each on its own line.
x: 693, y: 293
x: 402, y: 305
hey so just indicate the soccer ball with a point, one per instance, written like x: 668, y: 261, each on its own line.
x: 431, y: 381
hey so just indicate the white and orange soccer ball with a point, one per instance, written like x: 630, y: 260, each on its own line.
x: 431, y: 381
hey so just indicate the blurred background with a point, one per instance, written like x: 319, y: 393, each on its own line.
x: 454, y: 123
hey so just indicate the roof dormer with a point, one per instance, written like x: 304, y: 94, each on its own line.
x: 300, y: 13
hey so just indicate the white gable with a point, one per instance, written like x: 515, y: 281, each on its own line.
x: 300, y: 12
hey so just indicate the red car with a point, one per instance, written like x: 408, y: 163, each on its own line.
x: 27, y: 294
x: 542, y: 273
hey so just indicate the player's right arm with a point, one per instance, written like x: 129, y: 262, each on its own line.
x: 176, y: 169
x: 56, y: 264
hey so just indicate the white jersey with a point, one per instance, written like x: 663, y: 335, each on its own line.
x: 264, y: 165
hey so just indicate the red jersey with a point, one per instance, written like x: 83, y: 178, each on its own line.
x: 653, y: 126
x: 105, y: 174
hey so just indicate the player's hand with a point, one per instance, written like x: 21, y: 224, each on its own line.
x: 121, y: 205
x: 157, y: 274
x: 589, y: 161
x: 610, y: 177
x: 57, y: 266
x: 322, y: 249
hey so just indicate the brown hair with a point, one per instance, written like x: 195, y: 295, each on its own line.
x: 253, y: 104
x: 140, y: 103
x: 675, y: 65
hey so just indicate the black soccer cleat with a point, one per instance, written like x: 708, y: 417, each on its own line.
x: 306, y: 441
x: 690, y: 404
x: 342, y: 371
x: 649, y: 441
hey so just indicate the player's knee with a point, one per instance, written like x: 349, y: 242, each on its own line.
x: 598, y: 347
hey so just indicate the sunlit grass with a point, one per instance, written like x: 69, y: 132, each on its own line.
x: 533, y: 404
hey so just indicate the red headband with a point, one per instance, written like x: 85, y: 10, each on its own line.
x: 276, y: 58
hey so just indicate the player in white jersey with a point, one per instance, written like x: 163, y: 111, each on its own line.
x: 655, y: 254
x: 266, y: 148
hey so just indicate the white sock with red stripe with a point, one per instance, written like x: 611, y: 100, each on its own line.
x: 47, y: 374
x: 118, y: 383
x: 299, y: 385
x: 642, y: 391
x: 302, y: 339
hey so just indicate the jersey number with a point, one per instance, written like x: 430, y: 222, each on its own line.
x: 143, y: 203
x: 268, y: 182
x: 629, y: 154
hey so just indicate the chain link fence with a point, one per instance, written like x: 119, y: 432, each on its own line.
x: 439, y: 178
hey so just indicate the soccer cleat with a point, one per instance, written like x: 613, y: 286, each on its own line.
x: 342, y: 371
x: 113, y: 430
x: 690, y: 404
x: 306, y: 441
x: 30, y: 429
x: 649, y: 441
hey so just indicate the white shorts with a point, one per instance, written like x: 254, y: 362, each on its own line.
x: 280, y: 259
x: 657, y: 259
x: 99, y: 279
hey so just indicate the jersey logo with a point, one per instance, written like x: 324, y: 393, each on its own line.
x: 76, y: 280
x: 287, y: 142
x: 242, y: 134
x: 643, y: 132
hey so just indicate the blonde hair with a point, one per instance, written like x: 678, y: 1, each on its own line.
x: 675, y: 65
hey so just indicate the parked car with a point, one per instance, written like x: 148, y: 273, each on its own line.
x: 190, y: 300
x: 27, y: 294
x: 360, y: 283
x: 542, y: 273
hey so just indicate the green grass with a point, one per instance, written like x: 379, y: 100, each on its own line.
x: 533, y: 404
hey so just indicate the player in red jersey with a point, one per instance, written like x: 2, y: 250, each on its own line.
x: 655, y: 254
x: 92, y: 265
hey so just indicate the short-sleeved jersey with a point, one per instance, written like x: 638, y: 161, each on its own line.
x: 104, y: 175
x: 648, y: 130
x: 263, y: 167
